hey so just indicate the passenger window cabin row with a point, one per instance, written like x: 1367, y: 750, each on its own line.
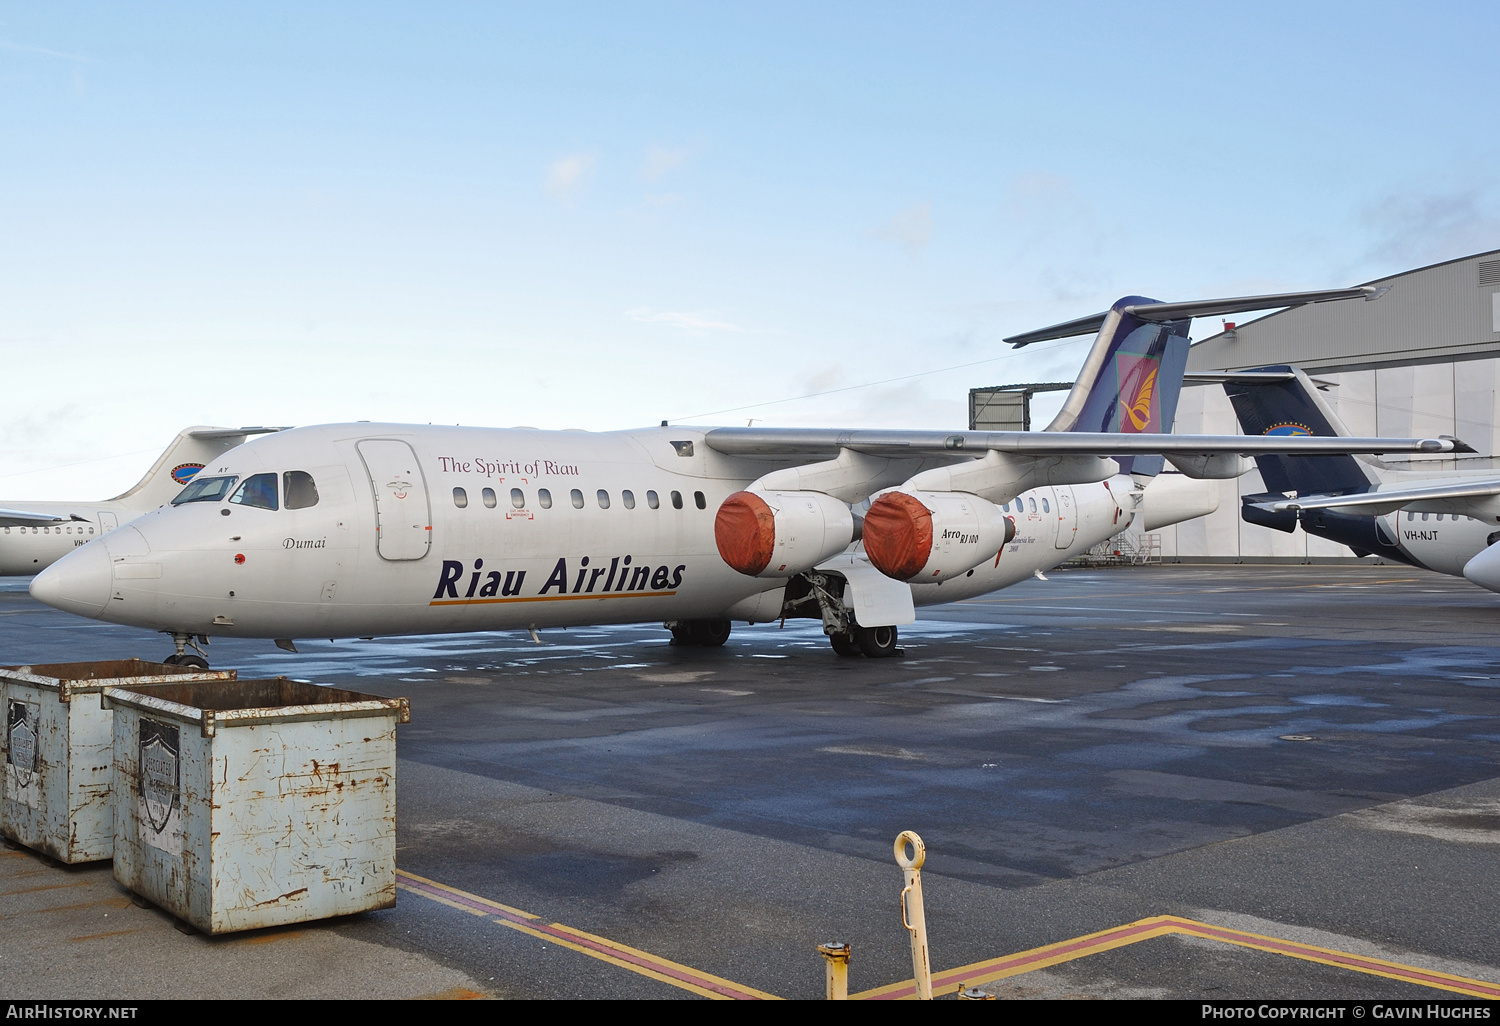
x: 53, y: 530
x: 601, y: 497
x: 1020, y: 506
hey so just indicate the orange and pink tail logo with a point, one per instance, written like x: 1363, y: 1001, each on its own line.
x: 1138, y: 380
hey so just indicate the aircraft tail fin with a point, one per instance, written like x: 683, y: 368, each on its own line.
x: 190, y: 451
x: 1131, y: 379
x: 1291, y: 405
x: 1133, y: 376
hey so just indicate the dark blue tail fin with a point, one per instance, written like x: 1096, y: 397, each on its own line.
x: 1131, y: 380
x: 1292, y: 406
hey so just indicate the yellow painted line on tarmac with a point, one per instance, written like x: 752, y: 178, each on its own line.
x: 637, y: 961
x: 978, y: 973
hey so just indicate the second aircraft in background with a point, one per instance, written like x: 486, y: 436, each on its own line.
x: 1447, y: 521
x: 35, y: 534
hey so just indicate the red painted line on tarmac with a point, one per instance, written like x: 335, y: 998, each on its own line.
x: 653, y: 965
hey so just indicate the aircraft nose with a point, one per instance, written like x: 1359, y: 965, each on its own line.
x: 79, y: 583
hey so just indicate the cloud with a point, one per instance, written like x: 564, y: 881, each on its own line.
x: 567, y: 176
x: 824, y: 379
x: 692, y: 323
x: 662, y: 200
x: 1057, y: 243
x: 20, y: 48
x: 911, y: 228
x: 660, y: 160
x: 1414, y: 230
x: 38, y: 426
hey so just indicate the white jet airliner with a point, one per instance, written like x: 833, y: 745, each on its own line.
x: 357, y: 530
x: 34, y: 535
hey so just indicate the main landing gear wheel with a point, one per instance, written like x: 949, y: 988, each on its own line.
x: 190, y: 661
x: 876, y: 642
x: 844, y: 644
x: 708, y: 633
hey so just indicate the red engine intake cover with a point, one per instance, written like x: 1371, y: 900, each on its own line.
x: 898, y: 535
x: 745, y: 531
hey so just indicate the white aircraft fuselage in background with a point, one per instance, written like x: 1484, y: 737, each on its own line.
x: 34, y: 535
x: 56, y: 529
x: 369, y: 559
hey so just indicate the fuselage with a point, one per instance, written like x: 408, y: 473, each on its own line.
x: 30, y: 550
x: 424, y: 529
x: 1441, y: 542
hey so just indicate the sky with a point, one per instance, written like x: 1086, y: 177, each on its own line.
x: 601, y: 216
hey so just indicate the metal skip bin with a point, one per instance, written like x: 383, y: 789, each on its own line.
x: 254, y: 803
x: 56, y: 792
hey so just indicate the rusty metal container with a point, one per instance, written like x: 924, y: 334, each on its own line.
x: 254, y: 803
x: 57, y: 745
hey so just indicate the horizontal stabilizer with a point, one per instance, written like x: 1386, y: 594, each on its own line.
x: 1160, y: 312
x: 207, y: 433
x: 1237, y: 377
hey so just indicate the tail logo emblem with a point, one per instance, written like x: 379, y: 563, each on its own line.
x: 1138, y: 381
x: 1289, y: 428
x: 184, y: 472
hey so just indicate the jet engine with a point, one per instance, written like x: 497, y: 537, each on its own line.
x: 1484, y: 568
x: 781, y: 534
x: 933, y: 536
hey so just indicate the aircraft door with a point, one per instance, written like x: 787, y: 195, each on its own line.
x: 1067, y: 517
x: 107, y: 522
x: 403, y: 516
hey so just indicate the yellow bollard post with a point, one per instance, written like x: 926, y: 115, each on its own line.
x: 837, y: 957
x: 912, y: 915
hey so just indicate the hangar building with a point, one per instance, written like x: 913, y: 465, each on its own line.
x: 1422, y: 360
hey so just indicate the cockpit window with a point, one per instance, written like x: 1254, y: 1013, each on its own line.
x: 298, y: 489
x: 259, y: 490
x: 205, y: 489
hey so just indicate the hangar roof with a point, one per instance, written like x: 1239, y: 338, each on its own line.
x: 1437, y: 314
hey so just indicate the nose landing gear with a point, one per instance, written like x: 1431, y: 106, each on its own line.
x: 182, y: 657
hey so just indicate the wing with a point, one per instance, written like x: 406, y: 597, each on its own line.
x: 25, y: 518
x: 1385, y: 500
x: 827, y: 442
